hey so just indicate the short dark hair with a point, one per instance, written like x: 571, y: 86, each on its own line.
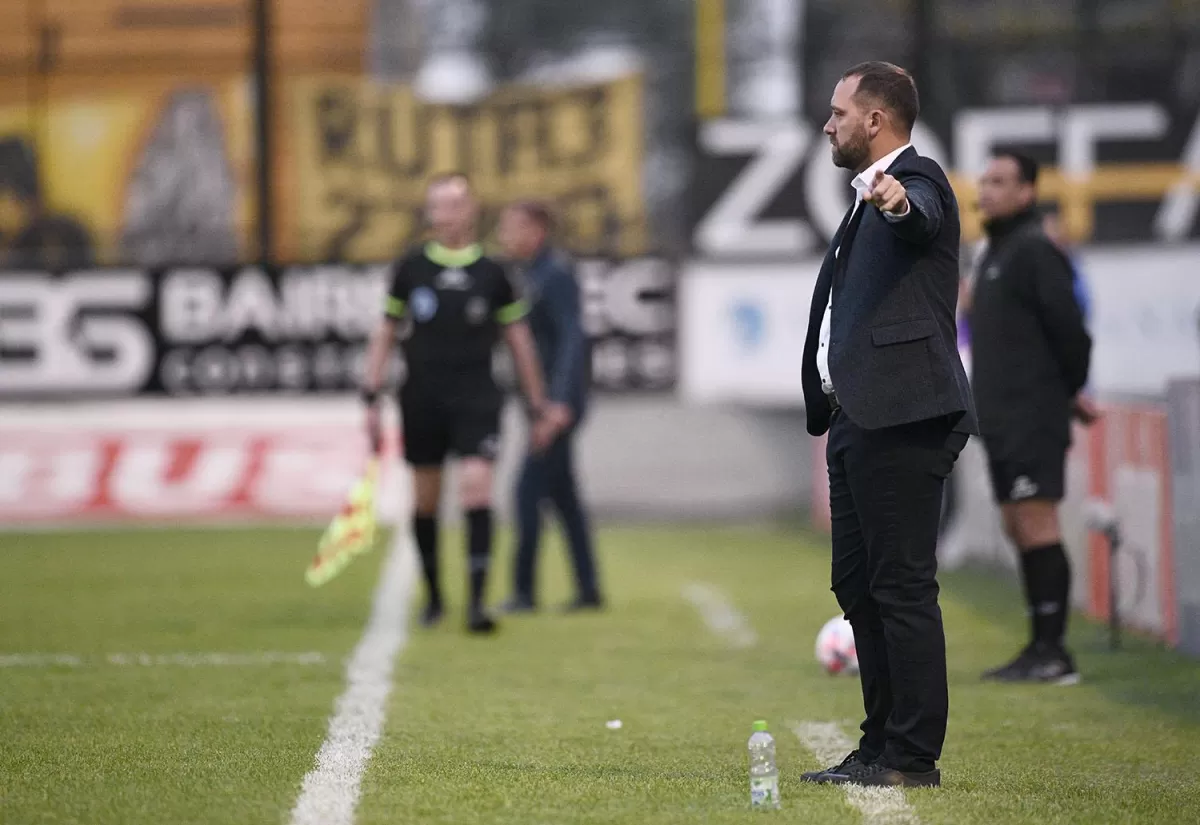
x: 891, y: 86
x: 1027, y: 167
x: 537, y: 211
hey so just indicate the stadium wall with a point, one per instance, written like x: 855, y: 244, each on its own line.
x: 210, y: 461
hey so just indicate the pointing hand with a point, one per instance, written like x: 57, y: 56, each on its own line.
x: 888, y: 194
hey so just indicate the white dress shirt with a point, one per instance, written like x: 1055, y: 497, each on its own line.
x: 861, y: 183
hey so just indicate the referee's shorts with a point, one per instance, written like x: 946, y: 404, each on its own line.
x: 1026, y: 466
x: 439, y: 419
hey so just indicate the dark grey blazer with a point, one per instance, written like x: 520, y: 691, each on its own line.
x: 893, y: 344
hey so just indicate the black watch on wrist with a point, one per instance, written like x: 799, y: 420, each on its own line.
x: 369, y: 397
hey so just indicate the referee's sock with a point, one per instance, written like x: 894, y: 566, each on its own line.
x: 1048, y: 589
x: 479, y: 552
x: 425, y: 528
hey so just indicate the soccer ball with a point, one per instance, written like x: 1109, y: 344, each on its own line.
x: 835, y: 647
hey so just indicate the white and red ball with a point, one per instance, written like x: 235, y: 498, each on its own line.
x: 835, y: 647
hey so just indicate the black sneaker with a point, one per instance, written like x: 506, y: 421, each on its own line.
x: 480, y: 623
x: 853, y: 764
x: 1014, y: 670
x: 431, y: 616
x: 1040, y: 663
x: 879, y: 775
x: 1055, y: 666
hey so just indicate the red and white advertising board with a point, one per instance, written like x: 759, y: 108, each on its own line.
x: 175, y: 461
x: 1128, y: 455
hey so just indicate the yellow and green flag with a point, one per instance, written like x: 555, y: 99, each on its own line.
x: 350, y: 534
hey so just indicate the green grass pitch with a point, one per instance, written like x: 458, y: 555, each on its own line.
x: 512, y: 729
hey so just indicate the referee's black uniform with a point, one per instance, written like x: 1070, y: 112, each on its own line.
x: 455, y: 303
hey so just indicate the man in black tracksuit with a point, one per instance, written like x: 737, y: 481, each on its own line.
x: 1030, y: 352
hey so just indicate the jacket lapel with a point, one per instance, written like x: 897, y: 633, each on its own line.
x: 848, y: 236
x: 828, y: 265
x: 824, y: 285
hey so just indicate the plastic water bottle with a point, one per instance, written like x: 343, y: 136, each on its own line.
x: 764, y: 775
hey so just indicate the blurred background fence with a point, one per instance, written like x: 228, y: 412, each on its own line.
x: 198, y: 199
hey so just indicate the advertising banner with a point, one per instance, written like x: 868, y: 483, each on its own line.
x: 303, y: 329
x: 1129, y: 471
x: 363, y: 153
x: 743, y: 324
x: 767, y: 189
x: 127, y: 463
x: 742, y: 332
x: 1183, y: 412
x: 158, y: 169
x: 154, y: 170
x: 1145, y: 321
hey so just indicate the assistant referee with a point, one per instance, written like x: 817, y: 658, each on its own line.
x: 457, y: 303
x: 1031, y: 352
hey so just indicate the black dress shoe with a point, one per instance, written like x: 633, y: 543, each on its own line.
x: 851, y: 764
x: 583, y: 604
x: 878, y: 775
x: 480, y: 623
x: 432, y: 614
x: 518, y: 605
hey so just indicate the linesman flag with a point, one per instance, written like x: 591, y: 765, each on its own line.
x: 352, y: 531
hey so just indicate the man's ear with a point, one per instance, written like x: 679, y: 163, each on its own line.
x: 875, y: 122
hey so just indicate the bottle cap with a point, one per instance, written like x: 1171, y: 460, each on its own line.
x: 761, y: 724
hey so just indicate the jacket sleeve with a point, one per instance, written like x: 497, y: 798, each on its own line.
x: 396, y: 302
x: 560, y: 295
x: 924, y: 219
x: 1051, y: 284
x: 510, y: 306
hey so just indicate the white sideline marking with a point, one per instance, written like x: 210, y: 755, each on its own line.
x: 159, y: 659
x: 720, y: 615
x: 40, y: 660
x: 217, y: 659
x: 879, y: 806
x: 330, y: 791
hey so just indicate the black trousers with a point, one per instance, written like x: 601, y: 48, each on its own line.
x: 885, y: 499
x: 550, y: 477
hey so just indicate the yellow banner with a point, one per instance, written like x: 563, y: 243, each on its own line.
x: 362, y: 154
x: 154, y: 172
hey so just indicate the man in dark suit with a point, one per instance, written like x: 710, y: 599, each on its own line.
x: 882, y: 375
x: 548, y: 475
